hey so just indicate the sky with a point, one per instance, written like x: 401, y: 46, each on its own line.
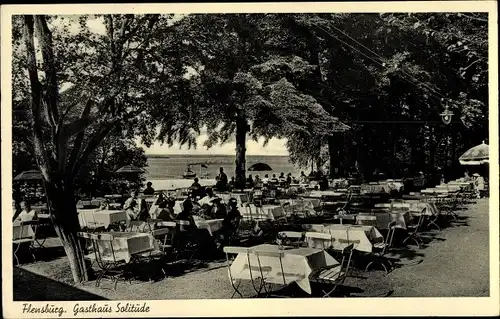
x: 274, y: 147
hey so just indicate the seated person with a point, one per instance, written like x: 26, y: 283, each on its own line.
x: 222, y: 181
x: 231, y: 222
x: 274, y: 180
x: 303, y: 179
x: 289, y: 178
x: 282, y: 178
x: 257, y: 182
x: 161, y: 198
x: 323, y: 184
x: 149, y: 190
x: 256, y: 235
x: 249, y: 182
x: 143, y: 211
x: 195, y: 187
x: 220, y: 209
x: 232, y: 183
x: 26, y: 213
x: 16, y: 209
x: 265, y: 180
x: 167, y: 210
x: 131, y: 206
x: 208, y: 199
x: 187, y: 212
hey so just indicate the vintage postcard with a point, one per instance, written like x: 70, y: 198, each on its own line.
x: 250, y: 159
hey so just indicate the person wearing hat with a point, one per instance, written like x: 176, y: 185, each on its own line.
x: 187, y: 212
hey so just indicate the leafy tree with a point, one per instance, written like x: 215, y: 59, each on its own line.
x: 118, y: 77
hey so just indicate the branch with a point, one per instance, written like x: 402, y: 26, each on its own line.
x: 92, y: 144
x: 28, y: 34
x: 45, y: 42
x: 79, y: 138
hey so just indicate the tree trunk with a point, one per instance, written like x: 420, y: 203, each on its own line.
x: 241, y: 139
x: 65, y: 220
x: 332, y: 152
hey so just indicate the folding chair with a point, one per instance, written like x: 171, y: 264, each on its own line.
x: 292, y: 238
x: 334, y: 275
x: 262, y: 269
x: 413, y: 230
x: 90, y: 246
x: 165, y: 240
x: 44, y: 221
x: 25, y: 238
x: 185, y: 242
x: 231, y: 250
x: 109, y: 264
x: 367, y: 220
x: 380, y: 248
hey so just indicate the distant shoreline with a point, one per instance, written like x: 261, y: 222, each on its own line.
x: 205, y: 155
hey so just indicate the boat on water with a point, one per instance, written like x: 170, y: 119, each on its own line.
x: 189, y: 173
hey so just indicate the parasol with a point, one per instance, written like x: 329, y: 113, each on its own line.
x: 31, y: 175
x: 476, y: 155
x: 260, y: 167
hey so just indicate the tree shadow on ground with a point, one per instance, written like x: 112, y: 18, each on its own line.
x: 29, y: 286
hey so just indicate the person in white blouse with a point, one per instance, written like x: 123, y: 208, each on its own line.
x: 208, y: 200
x: 27, y: 213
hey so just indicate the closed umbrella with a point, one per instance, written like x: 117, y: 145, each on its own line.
x: 260, y: 167
x: 476, y: 155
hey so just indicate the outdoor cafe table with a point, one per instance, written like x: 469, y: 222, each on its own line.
x: 301, y: 204
x: 265, y: 212
x: 106, y: 217
x: 19, y: 232
x: 127, y: 244
x: 298, y: 263
x: 241, y: 198
x: 444, y: 191
x: 360, y: 235
x: 211, y: 225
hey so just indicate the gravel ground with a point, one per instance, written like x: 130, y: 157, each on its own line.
x: 454, y: 264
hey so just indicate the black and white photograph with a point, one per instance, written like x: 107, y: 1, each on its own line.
x: 183, y: 155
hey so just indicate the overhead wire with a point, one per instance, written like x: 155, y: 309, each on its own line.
x: 385, y: 59
x: 372, y: 59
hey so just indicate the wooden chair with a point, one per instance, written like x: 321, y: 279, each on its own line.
x: 267, y: 285
x: 25, y: 238
x: 334, y: 276
x: 185, y: 242
x: 232, y: 251
x: 414, y: 228
x: 109, y: 264
x: 381, y: 248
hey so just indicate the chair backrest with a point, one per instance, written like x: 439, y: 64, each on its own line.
x: 183, y: 222
x: 103, y: 237
x: 234, y: 250
x: 349, y: 241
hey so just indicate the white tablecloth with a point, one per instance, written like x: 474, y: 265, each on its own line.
x: 265, y: 212
x: 211, y: 225
x: 297, y: 265
x: 105, y: 217
x: 126, y: 244
x: 19, y: 232
x: 359, y: 235
x: 320, y: 194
